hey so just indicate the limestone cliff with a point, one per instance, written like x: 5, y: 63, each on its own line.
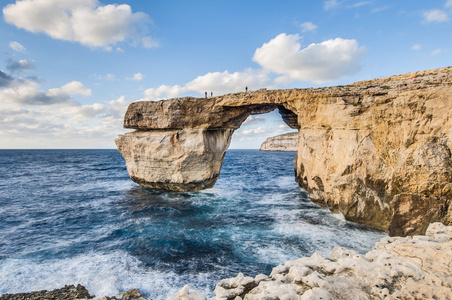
x: 377, y: 151
x: 282, y: 142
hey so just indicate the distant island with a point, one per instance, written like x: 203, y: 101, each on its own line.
x: 282, y: 142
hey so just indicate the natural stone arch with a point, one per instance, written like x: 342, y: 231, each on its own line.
x: 377, y: 151
x: 180, y: 144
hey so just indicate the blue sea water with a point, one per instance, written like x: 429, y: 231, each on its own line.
x: 74, y: 216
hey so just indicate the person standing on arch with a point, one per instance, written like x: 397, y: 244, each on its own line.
x: 205, y: 94
x: 246, y: 89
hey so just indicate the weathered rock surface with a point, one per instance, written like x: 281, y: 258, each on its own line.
x: 377, y: 151
x: 417, y: 267
x: 282, y: 142
x: 70, y: 292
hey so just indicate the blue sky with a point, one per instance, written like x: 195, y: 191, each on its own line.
x: 69, y: 68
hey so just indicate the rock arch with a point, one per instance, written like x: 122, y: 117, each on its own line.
x: 179, y: 144
x: 377, y: 151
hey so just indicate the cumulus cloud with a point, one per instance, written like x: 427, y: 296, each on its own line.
x: 326, y: 61
x: 71, y: 88
x: 84, y: 21
x: 216, y: 82
x: 136, y: 77
x: 448, y: 4
x: 16, y: 46
x: 308, y: 26
x: 329, y: 60
x: 416, y: 47
x: 25, y: 92
x: 35, y: 118
x: 22, y: 65
x: 435, y: 15
x: 58, y: 126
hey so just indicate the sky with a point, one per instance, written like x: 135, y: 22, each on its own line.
x: 69, y: 68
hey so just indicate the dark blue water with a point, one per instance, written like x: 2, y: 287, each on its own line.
x: 74, y: 216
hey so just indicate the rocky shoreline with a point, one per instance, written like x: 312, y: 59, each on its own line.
x: 416, y: 267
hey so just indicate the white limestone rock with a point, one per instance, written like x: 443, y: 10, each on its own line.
x: 418, y: 267
x: 186, y: 294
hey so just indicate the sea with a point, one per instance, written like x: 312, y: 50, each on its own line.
x: 75, y: 217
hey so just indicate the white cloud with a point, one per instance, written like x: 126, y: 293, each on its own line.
x: 69, y: 126
x: 435, y: 15
x: 216, y: 82
x: 330, y: 4
x: 318, y: 63
x: 22, y: 65
x: 329, y: 60
x: 136, y: 77
x: 253, y: 120
x: 16, y: 46
x: 84, y: 21
x: 21, y: 92
x: 109, y: 77
x: 34, y: 118
x: 71, y: 88
x: 436, y: 52
x: 359, y: 4
x: 380, y: 9
x: 416, y: 47
x: 149, y: 42
x: 448, y: 3
x: 308, y: 26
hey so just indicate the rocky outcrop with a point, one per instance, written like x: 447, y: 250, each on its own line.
x: 377, y: 151
x: 70, y: 292
x: 416, y: 267
x: 282, y: 142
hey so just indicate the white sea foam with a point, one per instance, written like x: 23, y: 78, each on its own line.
x: 102, y: 274
x: 286, y: 182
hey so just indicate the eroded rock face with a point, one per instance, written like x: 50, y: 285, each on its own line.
x: 282, y: 142
x: 178, y: 160
x: 377, y: 151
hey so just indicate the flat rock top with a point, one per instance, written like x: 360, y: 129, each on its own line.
x: 227, y: 111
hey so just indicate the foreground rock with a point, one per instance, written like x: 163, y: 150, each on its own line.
x: 282, y: 142
x: 70, y: 292
x: 377, y: 151
x: 416, y: 267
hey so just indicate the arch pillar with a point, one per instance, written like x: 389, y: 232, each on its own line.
x: 177, y: 159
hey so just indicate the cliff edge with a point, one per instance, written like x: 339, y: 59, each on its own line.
x: 377, y: 151
x: 282, y: 142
